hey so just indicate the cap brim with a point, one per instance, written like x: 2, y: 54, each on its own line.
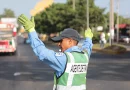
x: 56, y: 39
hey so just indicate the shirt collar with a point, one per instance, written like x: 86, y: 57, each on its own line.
x: 74, y: 48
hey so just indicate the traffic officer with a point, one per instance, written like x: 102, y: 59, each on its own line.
x: 71, y: 63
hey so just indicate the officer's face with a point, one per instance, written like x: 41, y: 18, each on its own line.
x: 65, y: 43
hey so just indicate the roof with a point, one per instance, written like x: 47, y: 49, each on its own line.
x: 121, y: 26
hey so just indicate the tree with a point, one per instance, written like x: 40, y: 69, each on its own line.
x: 7, y: 13
x: 122, y: 20
x: 96, y: 16
x: 54, y: 19
x: 60, y: 16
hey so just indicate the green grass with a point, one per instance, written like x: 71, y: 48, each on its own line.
x: 97, y: 46
x: 115, y: 48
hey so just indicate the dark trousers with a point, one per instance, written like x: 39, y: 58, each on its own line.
x: 101, y: 44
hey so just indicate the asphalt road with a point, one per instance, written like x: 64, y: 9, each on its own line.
x: 24, y: 71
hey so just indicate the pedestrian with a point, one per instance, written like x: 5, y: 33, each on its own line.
x: 102, y: 40
x: 71, y: 63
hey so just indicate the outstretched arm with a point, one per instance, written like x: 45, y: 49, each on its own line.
x: 53, y: 59
x: 87, y: 45
x: 57, y: 62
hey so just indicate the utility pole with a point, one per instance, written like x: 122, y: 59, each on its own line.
x: 73, y: 4
x: 117, y: 27
x: 111, y: 23
x: 87, y: 13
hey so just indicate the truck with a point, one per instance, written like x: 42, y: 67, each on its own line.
x: 8, y: 38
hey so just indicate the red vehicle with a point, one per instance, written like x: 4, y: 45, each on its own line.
x: 7, y: 38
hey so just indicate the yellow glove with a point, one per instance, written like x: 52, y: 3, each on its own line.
x: 29, y: 25
x: 88, y: 33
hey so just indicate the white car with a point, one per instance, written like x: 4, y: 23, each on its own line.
x: 124, y: 39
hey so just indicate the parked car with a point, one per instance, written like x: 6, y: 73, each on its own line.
x: 124, y: 39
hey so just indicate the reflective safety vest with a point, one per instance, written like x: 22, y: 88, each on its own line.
x: 74, y: 76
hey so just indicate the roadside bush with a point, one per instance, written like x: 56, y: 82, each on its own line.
x: 115, y: 49
x: 96, y: 37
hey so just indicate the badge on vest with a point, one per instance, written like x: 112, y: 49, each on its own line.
x: 76, y: 68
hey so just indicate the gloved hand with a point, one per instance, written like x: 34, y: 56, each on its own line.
x: 28, y: 25
x: 88, y: 33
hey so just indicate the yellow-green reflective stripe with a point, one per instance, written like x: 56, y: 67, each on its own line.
x: 71, y: 75
x: 81, y: 87
x: 86, y: 57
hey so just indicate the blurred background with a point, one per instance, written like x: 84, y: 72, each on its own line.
x: 109, y: 21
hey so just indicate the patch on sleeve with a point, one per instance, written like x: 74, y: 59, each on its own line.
x: 59, y: 54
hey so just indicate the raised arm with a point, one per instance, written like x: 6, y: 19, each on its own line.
x: 87, y: 45
x: 54, y: 60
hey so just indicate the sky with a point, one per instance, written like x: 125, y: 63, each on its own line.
x: 24, y: 6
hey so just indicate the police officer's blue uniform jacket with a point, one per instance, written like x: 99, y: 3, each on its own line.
x: 54, y: 59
